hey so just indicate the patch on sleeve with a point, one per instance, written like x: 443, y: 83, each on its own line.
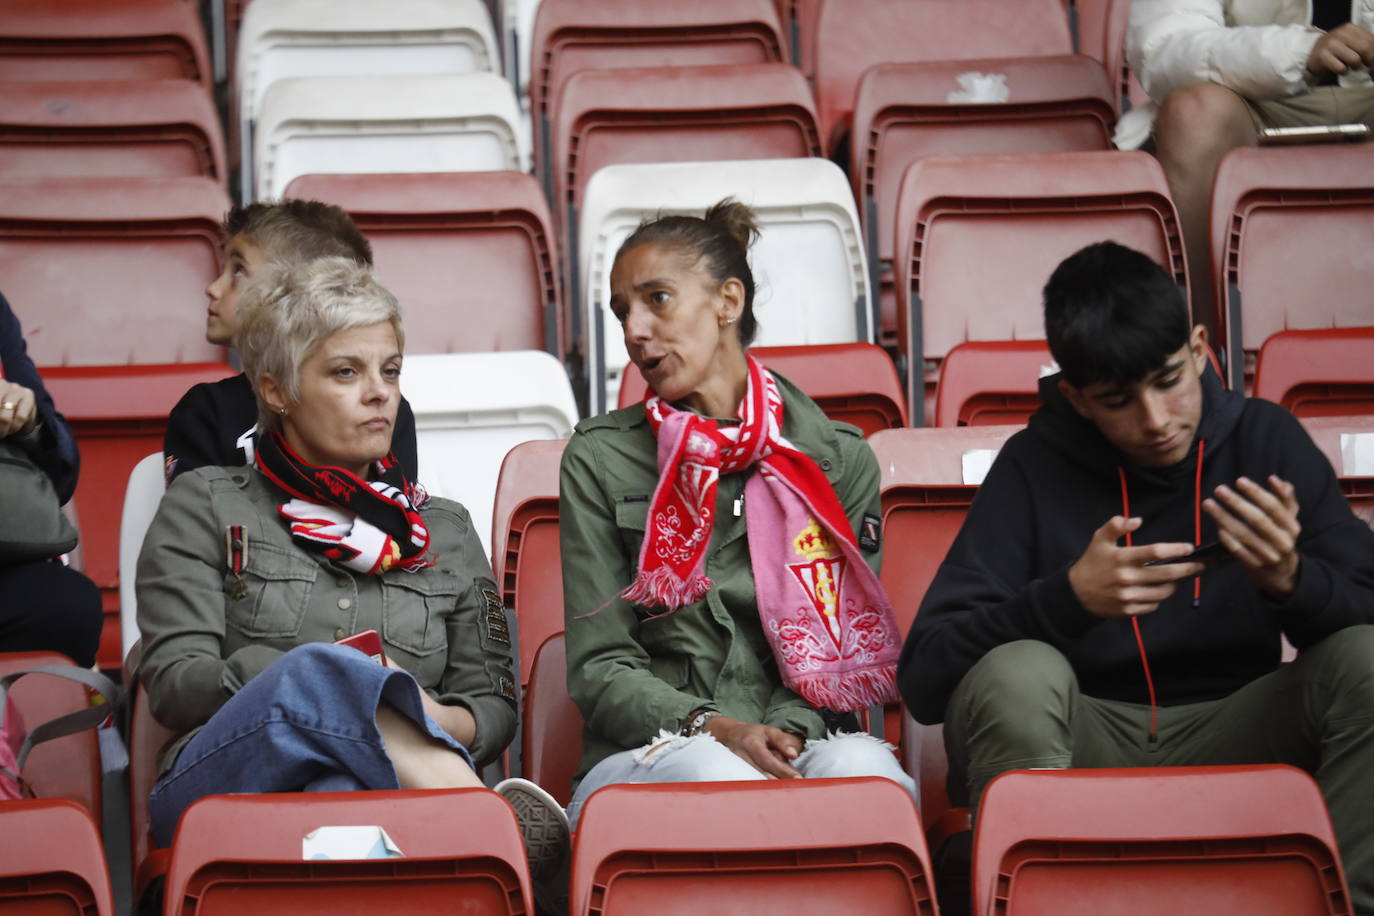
x: 495, y: 627
x: 871, y: 532
x: 505, y: 686
x: 169, y: 468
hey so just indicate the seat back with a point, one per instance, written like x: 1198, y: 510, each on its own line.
x: 1099, y: 31
x: 1348, y: 443
x: 63, y: 767
x: 452, y: 246
x: 573, y: 35
x: 51, y: 860
x: 929, y: 478
x: 306, y: 38
x: 1290, y: 236
x: 472, y: 408
x: 766, y: 847
x: 1328, y: 372
x: 853, y: 35
x: 118, y: 415
x: 110, y: 129
x: 673, y: 114
x: 107, y: 271
x: 810, y: 277
x: 104, y: 41
x: 147, y: 738
x: 991, y: 382
x: 853, y: 383
x: 147, y: 483
x: 525, y: 555
x: 378, y: 124
x: 1164, y: 840
x: 552, y: 726
x: 1018, y: 216
x: 906, y: 111
x: 244, y: 853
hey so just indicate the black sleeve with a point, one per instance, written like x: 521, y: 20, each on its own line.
x: 403, y: 441
x: 984, y: 595
x: 56, y: 452
x: 1335, y: 586
x: 194, y: 434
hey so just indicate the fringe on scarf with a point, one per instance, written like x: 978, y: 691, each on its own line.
x: 663, y: 588
x: 849, y: 691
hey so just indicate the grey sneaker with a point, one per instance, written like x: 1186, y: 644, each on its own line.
x: 543, y: 826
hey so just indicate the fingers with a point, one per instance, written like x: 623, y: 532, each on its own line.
x: 1258, y: 525
x: 760, y: 751
x: 17, y: 409
x: 1114, y: 529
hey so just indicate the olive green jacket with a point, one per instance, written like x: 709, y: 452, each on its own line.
x: 633, y: 677
x: 205, y: 634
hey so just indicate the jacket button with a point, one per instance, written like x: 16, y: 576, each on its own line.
x: 339, y: 634
x: 825, y: 464
x: 345, y: 603
x: 342, y: 583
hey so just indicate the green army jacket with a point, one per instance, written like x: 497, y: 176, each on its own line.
x: 206, y: 634
x: 632, y: 677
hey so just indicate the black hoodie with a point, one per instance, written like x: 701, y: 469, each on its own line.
x: 1056, y: 482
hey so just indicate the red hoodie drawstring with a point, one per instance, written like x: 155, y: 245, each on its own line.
x: 1197, y: 580
x: 1135, y: 621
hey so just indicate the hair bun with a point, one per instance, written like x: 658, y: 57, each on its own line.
x: 736, y: 220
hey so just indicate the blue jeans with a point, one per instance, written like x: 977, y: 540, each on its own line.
x: 306, y: 723
x: 674, y: 758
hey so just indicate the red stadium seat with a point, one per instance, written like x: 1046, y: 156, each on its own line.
x: 770, y: 847
x: 1238, y: 839
x: 853, y: 35
x: 552, y: 723
x: 674, y: 114
x: 853, y: 383
x: 1337, y: 438
x: 102, y: 40
x: 902, y: 112
x: 109, y: 129
x: 923, y: 755
x: 800, y: 18
x: 925, y: 497
x: 147, y: 739
x: 991, y: 382
x: 978, y: 237
x: 1318, y: 373
x: 111, y: 271
x: 572, y: 35
x: 51, y: 861
x: 118, y: 415
x: 451, y: 246
x: 1290, y: 245
x: 524, y: 543
x: 63, y: 767
x: 1099, y: 31
x: 460, y: 852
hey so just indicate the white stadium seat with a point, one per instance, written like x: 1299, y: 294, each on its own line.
x: 473, y: 408
x: 808, y: 263
x: 293, y: 38
x: 386, y: 124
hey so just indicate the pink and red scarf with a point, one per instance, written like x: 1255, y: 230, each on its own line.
x: 825, y: 614
x: 368, y: 526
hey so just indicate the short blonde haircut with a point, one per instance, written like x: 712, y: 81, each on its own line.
x: 288, y: 309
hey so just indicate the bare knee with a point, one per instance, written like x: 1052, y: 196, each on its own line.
x: 1201, y: 122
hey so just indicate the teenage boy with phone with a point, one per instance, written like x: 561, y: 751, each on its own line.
x: 1046, y: 639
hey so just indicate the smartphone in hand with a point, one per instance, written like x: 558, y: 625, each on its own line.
x: 1209, y: 555
x: 366, y: 642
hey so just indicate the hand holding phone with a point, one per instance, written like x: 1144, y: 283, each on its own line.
x: 1210, y: 555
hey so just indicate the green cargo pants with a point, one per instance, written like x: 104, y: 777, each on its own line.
x: 1020, y: 707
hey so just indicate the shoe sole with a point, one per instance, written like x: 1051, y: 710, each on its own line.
x: 544, y: 830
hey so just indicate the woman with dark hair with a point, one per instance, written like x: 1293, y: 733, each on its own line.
x: 719, y: 544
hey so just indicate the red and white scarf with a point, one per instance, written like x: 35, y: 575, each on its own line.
x: 369, y: 526
x: 825, y: 614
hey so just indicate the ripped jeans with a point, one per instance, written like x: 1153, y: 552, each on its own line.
x: 673, y: 758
